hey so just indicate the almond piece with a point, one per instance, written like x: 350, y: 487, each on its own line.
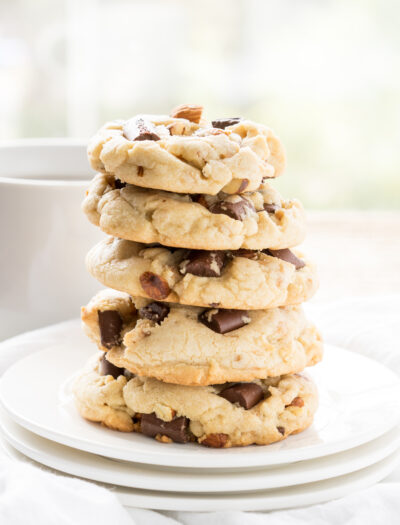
x: 297, y: 402
x: 155, y: 286
x: 178, y: 128
x: 190, y: 112
x: 215, y: 440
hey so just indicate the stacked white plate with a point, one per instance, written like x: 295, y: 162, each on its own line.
x: 353, y: 443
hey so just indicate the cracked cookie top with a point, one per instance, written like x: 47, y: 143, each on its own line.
x: 255, y: 220
x: 222, y: 416
x: 218, y: 416
x: 193, y: 346
x: 98, y: 394
x: 241, y: 279
x: 184, y: 153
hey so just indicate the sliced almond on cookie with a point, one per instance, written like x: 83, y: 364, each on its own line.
x: 215, y: 440
x: 155, y: 286
x: 190, y: 112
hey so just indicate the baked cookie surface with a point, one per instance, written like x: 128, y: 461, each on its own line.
x: 260, y: 412
x: 219, y: 416
x: 257, y: 220
x: 99, y: 397
x: 177, y: 344
x: 239, y: 280
x: 183, y: 156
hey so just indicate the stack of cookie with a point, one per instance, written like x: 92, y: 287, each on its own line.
x: 201, y: 333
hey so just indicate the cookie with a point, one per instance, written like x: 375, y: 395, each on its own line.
x: 182, y: 156
x: 99, y: 397
x: 219, y: 416
x: 192, y: 346
x: 255, y: 220
x: 248, y: 280
x: 260, y: 412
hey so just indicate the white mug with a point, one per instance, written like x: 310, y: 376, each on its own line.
x: 44, y: 235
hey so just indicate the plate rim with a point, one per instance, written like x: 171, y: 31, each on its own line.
x: 267, y: 500
x: 255, y: 479
x: 217, y: 458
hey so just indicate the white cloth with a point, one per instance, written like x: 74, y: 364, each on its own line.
x: 31, y: 495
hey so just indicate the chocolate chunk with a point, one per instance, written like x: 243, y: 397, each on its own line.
x: 248, y: 254
x: 246, y: 394
x: 177, y: 429
x: 119, y: 184
x: 286, y: 255
x: 108, y: 369
x: 271, y: 208
x: 156, y: 312
x: 281, y: 430
x: 223, y: 321
x: 203, y: 263
x: 110, y: 324
x: 238, y: 209
x: 128, y: 374
x: 155, y: 286
x: 140, y: 129
x: 222, y: 123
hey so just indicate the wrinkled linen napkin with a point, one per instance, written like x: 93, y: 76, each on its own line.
x: 29, y: 495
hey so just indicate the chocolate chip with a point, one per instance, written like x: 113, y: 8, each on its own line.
x: 281, y: 430
x: 286, y: 255
x: 155, y: 286
x: 108, y: 369
x: 222, y: 123
x: 246, y: 394
x: 138, y: 128
x: 119, y: 184
x: 203, y: 263
x: 156, y: 312
x: 110, y: 324
x: 215, y: 440
x: 223, y: 321
x: 177, y: 429
x: 237, y: 209
x: 271, y: 208
x: 200, y: 199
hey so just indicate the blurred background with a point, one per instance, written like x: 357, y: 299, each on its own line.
x: 324, y: 74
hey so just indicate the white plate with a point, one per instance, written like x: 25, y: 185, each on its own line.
x: 359, y: 402
x: 280, y: 498
x: 139, y: 475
